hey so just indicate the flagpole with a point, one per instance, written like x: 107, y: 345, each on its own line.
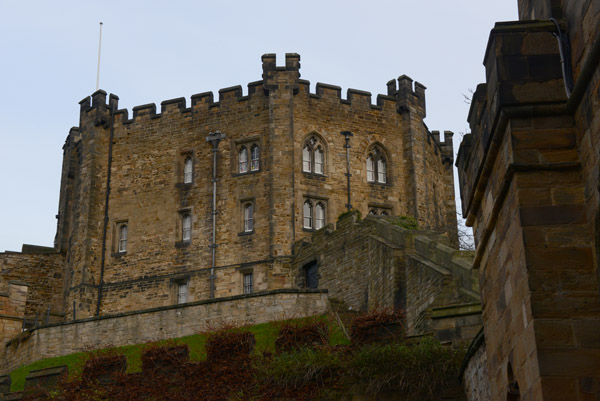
x: 99, y: 48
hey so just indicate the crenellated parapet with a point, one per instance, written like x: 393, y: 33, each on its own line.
x: 402, y: 95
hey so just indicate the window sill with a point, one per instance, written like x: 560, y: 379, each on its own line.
x: 246, y: 173
x: 184, y: 186
x: 118, y: 255
x: 244, y: 233
x: 379, y: 184
x: 182, y: 244
x: 310, y: 174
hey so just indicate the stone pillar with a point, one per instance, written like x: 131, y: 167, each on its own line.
x: 523, y: 193
x: 281, y: 83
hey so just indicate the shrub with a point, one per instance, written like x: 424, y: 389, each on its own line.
x: 300, y: 375
x: 377, y: 325
x: 293, y: 335
x: 229, y: 343
x: 423, y: 371
x: 407, y: 222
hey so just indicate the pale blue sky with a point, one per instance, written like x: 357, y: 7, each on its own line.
x: 153, y: 51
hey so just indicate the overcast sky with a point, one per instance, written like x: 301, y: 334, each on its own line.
x: 154, y: 51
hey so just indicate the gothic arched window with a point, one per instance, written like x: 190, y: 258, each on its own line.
x: 314, y: 214
x: 308, y: 214
x: 377, y: 166
x: 319, y: 216
x: 313, y: 156
x: 243, y: 160
x: 254, y: 158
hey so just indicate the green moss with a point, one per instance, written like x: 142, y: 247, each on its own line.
x: 407, y: 222
x: 349, y: 212
x: 73, y: 362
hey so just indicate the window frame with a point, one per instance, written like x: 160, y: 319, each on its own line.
x: 243, y: 160
x: 185, y: 285
x: 254, y: 161
x: 186, y: 219
x: 307, y: 219
x: 122, y: 227
x: 188, y: 176
x: 248, y: 206
x: 177, y: 283
x: 313, y: 219
x: 377, y: 166
x: 252, y: 148
x: 248, y: 288
x: 312, y: 146
x: 379, y: 210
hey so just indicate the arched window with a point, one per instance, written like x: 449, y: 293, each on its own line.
x: 381, y: 171
x: 376, y: 166
x: 373, y: 212
x: 319, y: 216
x: 123, y: 238
x: 319, y: 160
x: 308, y: 215
x: 255, y: 158
x: 186, y: 228
x: 370, y: 169
x: 313, y: 156
x: 248, y: 217
x: 243, y: 160
x: 188, y: 166
x: 306, y: 159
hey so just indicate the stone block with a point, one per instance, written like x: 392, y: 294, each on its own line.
x: 587, y: 332
x: 45, y: 378
x: 554, y: 333
x: 5, y: 384
x: 569, y: 362
x: 552, y: 215
x: 559, y: 388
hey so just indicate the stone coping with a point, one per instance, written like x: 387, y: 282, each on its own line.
x: 473, y: 308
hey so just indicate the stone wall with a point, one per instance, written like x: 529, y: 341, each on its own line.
x: 159, y: 324
x: 474, y: 372
x: 13, y: 298
x: 375, y: 263
x: 42, y: 272
x: 529, y: 180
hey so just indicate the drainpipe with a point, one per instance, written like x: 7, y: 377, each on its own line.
x: 214, y: 138
x: 564, y: 49
x: 347, y: 135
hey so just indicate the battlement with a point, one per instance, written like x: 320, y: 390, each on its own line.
x: 399, y: 96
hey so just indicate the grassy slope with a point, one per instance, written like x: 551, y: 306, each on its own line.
x: 265, y: 335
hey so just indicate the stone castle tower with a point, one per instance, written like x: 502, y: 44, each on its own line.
x: 136, y: 222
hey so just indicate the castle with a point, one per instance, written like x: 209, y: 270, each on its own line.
x: 529, y: 184
x: 224, y: 198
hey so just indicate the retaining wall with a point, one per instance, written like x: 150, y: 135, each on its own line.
x: 159, y: 323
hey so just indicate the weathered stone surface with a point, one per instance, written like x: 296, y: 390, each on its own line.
x: 161, y: 323
x: 529, y: 186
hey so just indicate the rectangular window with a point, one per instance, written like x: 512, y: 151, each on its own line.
x: 182, y: 292
x: 248, y: 283
x: 123, y: 238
